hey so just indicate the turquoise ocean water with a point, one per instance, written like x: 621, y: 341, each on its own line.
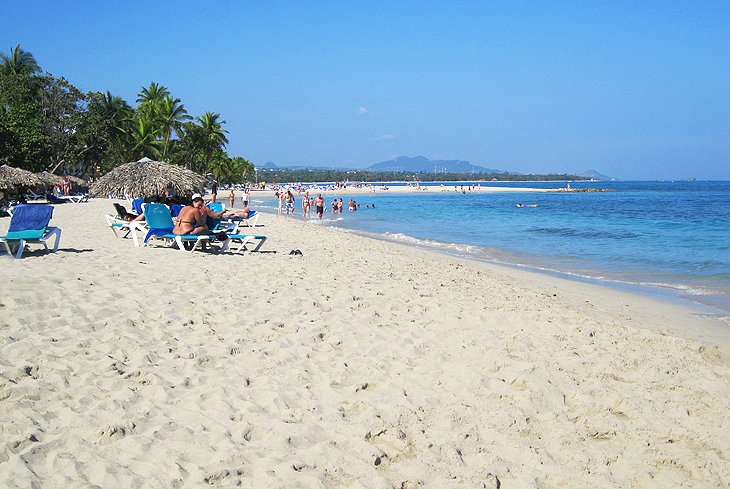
x: 670, y: 239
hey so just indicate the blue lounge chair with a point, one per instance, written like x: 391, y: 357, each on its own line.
x: 217, y: 225
x: 175, y: 209
x: 137, y: 205
x: 216, y: 206
x: 159, y: 222
x: 29, y: 224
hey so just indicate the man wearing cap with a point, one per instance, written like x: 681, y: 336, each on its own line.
x: 192, y: 218
x: 207, y: 211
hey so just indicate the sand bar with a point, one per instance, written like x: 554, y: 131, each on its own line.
x: 360, y: 363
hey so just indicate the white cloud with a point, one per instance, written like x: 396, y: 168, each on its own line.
x: 385, y: 137
x: 362, y: 110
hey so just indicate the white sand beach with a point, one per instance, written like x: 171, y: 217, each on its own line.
x: 359, y: 364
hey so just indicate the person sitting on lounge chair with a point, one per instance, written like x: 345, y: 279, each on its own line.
x: 124, y: 214
x: 191, y: 219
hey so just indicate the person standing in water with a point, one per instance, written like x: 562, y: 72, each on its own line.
x: 306, y: 213
x: 289, y: 202
x: 319, y: 205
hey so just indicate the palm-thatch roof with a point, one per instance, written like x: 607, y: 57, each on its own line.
x: 147, y: 178
x: 12, y: 178
x: 51, y: 179
x: 79, y: 183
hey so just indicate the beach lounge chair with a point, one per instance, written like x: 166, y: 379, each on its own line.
x: 123, y: 222
x: 137, y: 205
x: 30, y: 195
x: 29, y: 224
x: 242, y: 240
x: 117, y: 225
x: 217, y: 225
x: 75, y: 198
x: 216, y: 206
x: 250, y: 221
x: 159, y: 222
x: 175, y: 209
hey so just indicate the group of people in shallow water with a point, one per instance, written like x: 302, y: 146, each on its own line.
x: 287, y: 204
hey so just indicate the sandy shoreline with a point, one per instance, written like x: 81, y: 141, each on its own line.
x: 360, y: 363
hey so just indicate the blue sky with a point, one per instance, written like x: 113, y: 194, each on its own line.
x: 635, y: 90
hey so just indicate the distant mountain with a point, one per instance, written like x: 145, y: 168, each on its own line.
x: 421, y: 164
x: 273, y: 166
x: 594, y: 175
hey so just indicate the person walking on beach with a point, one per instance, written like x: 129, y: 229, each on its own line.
x: 280, y: 196
x: 306, y: 214
x: 214, y: 191
x: 231, y: 199
x: 319, y: 205
x: 289, y: 201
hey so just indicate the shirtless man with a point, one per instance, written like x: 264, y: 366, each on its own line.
x: 319, y: 205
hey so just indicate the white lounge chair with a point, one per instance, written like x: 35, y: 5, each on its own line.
x: 76, y: 198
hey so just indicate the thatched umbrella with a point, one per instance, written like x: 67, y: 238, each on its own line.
x: 79, y: 183
x: 49, y: 179
x: 12, y: 178
x: 147, y: 178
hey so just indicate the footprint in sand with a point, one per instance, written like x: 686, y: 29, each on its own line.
x: 112, y: 433
x: 222, y: 475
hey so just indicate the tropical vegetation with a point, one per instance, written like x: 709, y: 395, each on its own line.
x: 48, y: 124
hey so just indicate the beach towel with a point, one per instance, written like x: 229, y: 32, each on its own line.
x: 30, y: 218
x: 137, y: 205
x: 175, y: 209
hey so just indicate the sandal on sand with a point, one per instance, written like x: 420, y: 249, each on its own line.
x: 295, y: 252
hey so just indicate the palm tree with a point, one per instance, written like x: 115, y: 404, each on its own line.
x: 145, y: 140
x: 18, y: 63
x: 172, y: 114
x: 150, y: 100
x: 214, y: 134
x: 221, y: 166
x: 241, y: 168
x: 191, y: 146
x: 117, y: 112
x: 155, y: 93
